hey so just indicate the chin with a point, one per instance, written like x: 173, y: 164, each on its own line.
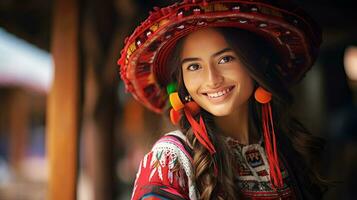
x: 220, y: 112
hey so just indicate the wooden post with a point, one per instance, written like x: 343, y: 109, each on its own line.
x: 18, y: 126
x: 62, y: 116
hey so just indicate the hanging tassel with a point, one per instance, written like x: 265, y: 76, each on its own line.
x: 190, y: 109
x: 199, y: 129
x: 264, y: 97
x: 270, y: 146
x: 175, y: 101
x: 175, y: 116
x: 213, y: 152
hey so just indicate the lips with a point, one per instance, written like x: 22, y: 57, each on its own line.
x: 219, y: 93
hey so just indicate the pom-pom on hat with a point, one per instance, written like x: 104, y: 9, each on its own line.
x: 293, y: 34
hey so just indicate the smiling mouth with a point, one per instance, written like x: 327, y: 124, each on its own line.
x: 212, y: 95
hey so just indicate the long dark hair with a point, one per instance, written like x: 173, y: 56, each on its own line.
x: 261, y: 60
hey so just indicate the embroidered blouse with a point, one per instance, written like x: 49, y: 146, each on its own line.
x: 166, y: 172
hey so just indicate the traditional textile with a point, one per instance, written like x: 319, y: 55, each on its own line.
x: 253, y: 173
x: 166, y: 172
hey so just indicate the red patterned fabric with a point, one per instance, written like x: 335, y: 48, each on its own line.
x: 161, y: 174
x: 149, y: 185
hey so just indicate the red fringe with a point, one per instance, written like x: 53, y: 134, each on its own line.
x: 199, y: 129
x: 270, y: 146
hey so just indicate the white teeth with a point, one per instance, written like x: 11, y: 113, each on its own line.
x: 218, y: 94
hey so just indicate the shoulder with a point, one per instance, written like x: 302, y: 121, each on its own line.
x: 174, y: 148
x: 174, y: 141
x: 167, y: 167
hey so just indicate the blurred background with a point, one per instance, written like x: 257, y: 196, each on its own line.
x: 68, y: 130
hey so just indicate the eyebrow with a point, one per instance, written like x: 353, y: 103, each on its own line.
x: 214, y: 55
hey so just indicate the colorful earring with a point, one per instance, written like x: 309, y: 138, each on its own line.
x: 171, y: 87
x: 175, y: 101
x: 264, y: 97
x: 188, y: 98
x: 191, y: 106
x: 177, y: 104
x: 190, y: 109
x: 175, y: 116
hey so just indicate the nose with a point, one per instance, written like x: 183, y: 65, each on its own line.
x: 214, y: 77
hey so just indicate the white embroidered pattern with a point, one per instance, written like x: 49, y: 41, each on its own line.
x: 163, y: 150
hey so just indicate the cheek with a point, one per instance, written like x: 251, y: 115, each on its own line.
x: 246, y: 82
x: 250, y: 86
x: 192, y: 82
x: 247, y: 85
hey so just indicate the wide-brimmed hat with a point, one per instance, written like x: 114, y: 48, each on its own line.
x: 292, y: 33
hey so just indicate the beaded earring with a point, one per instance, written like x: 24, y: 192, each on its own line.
x: 175, y: 103
x: 190, y: 109
x: 178, y: 105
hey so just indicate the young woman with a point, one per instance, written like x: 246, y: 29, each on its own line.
x: 225, y: 67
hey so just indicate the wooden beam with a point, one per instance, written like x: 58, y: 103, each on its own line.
x: 62, y: 116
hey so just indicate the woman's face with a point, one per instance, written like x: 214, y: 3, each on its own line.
x: 213, y: 73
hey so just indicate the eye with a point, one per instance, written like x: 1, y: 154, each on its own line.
x: 226, y: 59
x: 193, y: 67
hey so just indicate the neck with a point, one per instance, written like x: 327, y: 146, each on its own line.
x: 235, y: 125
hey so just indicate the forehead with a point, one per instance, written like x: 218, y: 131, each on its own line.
x: 203, y: 42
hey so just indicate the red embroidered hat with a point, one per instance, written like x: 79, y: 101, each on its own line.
x: 286, y: 26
